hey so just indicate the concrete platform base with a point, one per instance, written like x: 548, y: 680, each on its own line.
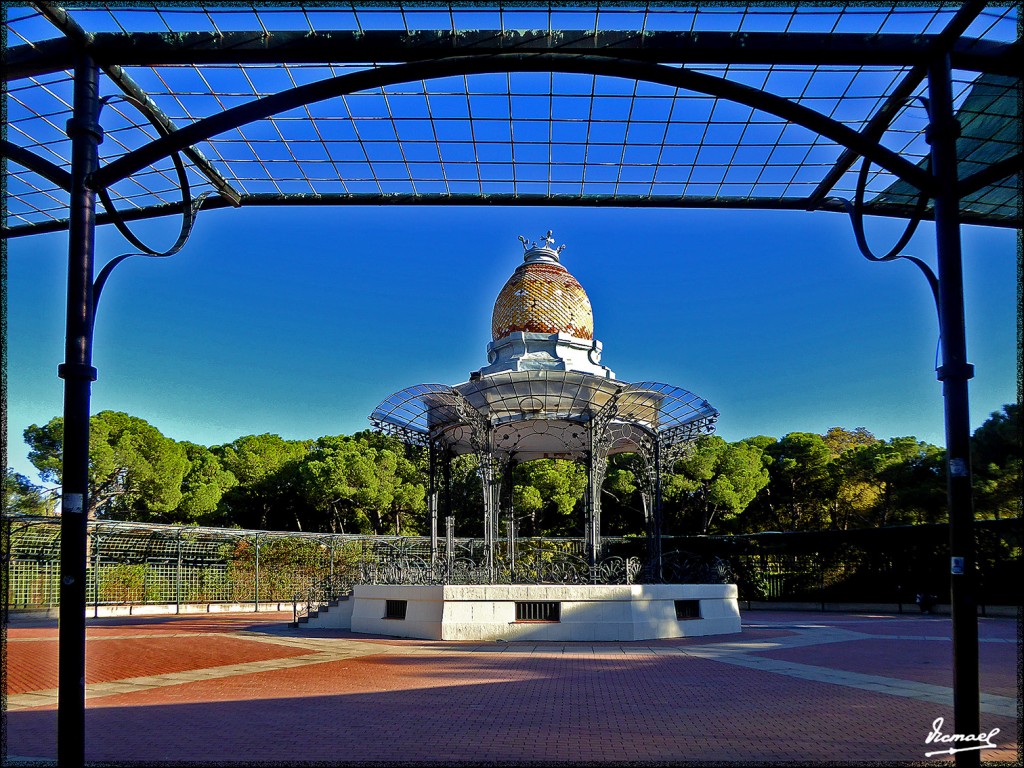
x: 546, y: 612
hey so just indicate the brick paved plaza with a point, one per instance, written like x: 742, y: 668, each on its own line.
x: 808, y: 687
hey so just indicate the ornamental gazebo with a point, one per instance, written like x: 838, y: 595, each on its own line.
x: 545, y: 394
x: 926, y: 95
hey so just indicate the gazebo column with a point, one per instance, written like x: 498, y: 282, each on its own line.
x: 491, y: 476
x: 597, y: 468
x: 432, y: 497
x: 648, y: 495
x: 655, y: 536
x: 599, y: 443
x: 510, y: 519
x: 446, y: 504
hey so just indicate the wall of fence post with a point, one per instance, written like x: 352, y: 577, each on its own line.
x: 177, y: 578
x: 96, y: 575
x: 257, y: 595
x: 821, y: 581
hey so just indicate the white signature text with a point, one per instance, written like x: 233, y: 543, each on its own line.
x: 982, y: 740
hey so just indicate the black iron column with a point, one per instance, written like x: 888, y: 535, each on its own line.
x: 656, y: 512
x: 257, y: 596
x: 446, y: 481
x: 954, y: 373
x: 588, y: 498
x: 177, y: 577
x: 432, y: 497
x: 95, y: 571
x: 510, y: 516
x: 78, y: 374
x: 446, y: 499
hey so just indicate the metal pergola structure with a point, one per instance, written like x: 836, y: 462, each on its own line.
x: 163, y: 109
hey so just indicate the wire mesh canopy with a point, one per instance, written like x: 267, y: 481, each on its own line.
x: 544, y: 414
x: 624, y: 104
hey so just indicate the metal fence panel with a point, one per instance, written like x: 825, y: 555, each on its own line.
x: 132, y: 563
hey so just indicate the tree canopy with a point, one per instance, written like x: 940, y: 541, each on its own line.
x: 134, y: 471
x: 715, y: 481
x: 22, y: 496
x: 372, y: 483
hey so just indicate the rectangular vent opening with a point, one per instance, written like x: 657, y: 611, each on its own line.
x: 687, y: 609
x: 395, y: 609
x: 538, y: 611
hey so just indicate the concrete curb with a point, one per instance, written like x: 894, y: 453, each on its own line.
x: 992, y: 611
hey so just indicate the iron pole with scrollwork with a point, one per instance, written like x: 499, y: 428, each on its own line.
x: 597, y: 467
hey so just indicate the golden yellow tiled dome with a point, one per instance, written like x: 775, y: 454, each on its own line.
x: 542, y: 297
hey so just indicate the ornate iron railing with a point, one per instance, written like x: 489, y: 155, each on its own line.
x: 318, y: 595
x: 681, y: 567
x: 538, y: 565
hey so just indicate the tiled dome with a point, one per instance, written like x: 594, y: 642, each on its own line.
x: 542, y: 297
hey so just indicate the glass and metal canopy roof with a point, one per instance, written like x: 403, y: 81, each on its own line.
x: 615, y: 103
x: 544, y: 414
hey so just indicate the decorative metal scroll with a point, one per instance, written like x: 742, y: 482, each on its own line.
x: 679, y: 567
x: 189, y: 208
x: 672, y: 413
x: 417, y: 412
x: 687, y: 433
x: 532, y: 566
x: 419, y: 571
x: 647, y: 451
x: 855, y: 210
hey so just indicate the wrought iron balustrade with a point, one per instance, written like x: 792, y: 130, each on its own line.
x: 320, y: 594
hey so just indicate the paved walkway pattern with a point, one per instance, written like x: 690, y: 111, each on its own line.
x: 813, y: 688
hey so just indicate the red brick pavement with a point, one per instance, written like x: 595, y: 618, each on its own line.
x: 109, y: 660
x: 530, y: 702
x: 927, y: 662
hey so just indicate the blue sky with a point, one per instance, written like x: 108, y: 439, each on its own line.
x: 299, y: 321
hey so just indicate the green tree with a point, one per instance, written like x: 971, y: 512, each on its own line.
x: 362, y: 488
x: 22, y: 496
x: 335, y: 478
x: 267, y: 494
x: 840, y: 440
x: 997, y: 458
x: 761, y: 441
x: 856, y: 492
x: 622, y: 509
x: 203, y: 487
x: 135, y: 472
x: 715, y: 481
x: 914, y: 478
x: 896, y: 482
x: 467, y: 499
x: 560, y: 485
x: 800, y: 483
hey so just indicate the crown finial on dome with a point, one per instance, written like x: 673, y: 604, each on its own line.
x: 545, y: 249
